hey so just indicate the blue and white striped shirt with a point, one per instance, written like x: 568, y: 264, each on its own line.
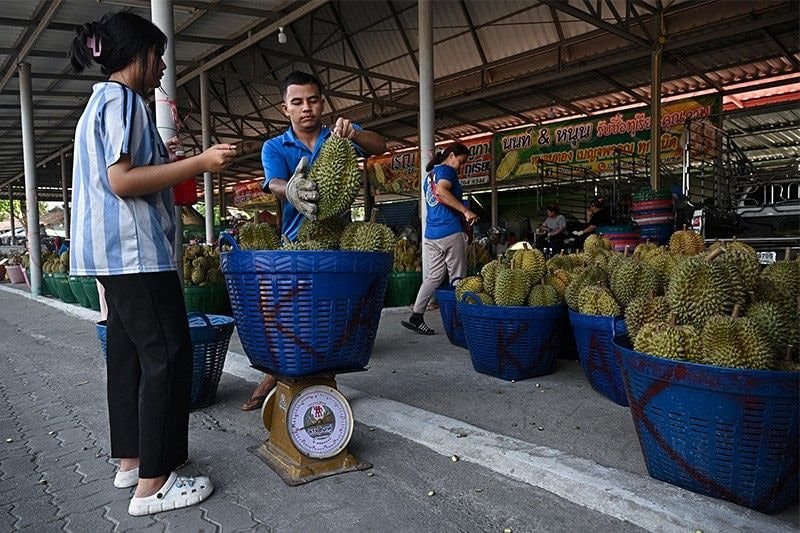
x: 112, y: 235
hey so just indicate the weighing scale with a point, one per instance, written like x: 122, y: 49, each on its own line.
x: 310, y: 424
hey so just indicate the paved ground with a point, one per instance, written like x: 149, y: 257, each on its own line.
x: 545, y: 454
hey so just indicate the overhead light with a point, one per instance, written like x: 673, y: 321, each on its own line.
x: 281, y: 36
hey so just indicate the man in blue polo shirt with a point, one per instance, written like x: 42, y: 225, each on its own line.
x: 286, y: 158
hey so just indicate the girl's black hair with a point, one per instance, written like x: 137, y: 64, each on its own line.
x: 116, y: 41
x: 554, y: 208
x: 456, y: 149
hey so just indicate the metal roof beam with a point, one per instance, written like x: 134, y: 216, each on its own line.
x: 623, y: 88
x: 30, y: 40
x: 594, y: 21
x: 473, y: 32
x: 338, y: 18
x: 403, y: 34
x: 786, y: 52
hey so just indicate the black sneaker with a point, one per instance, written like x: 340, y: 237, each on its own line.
x: 421, y: 328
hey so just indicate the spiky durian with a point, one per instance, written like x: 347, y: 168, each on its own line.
x: 735, y: 342
x: 644, y: 249
x: 484, y: 298
x: 367, y: 237
x: 632, y: 278
x: 325, y: 232
x: 780, y: 283
x: 544, y: 295
x: 512, y: 287
x: 531, y: 261
x: 489, y: 273
x: 686, y: 242
x: 338, y: 178
x: 773, y: 325
x: 597, y: 300
x: 644, y: 309
x: 560, y: 262
x: 261, y: 236
x: 469, y: 284
x: 699, y: 289
x: 560, y: 279
x: 595, y: 243
x: 665, y: 339
x: 589, y: 276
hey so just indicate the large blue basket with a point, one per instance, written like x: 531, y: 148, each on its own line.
x: 727, y: 433
x: 511, y: 342
x: 211, y: 335
x: 594, y: 335
x: 304, y: 312
x: 450, y: 317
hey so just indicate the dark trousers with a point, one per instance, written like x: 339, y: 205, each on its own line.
x: 149, y: 370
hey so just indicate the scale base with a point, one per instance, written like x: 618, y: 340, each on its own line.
x: 297, y: 473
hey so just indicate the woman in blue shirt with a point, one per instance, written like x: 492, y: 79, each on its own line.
x: 445, y: 241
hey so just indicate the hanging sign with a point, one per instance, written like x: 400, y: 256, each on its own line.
x: 249, y: 195
x: 398, y: 173
x: 593, y: 142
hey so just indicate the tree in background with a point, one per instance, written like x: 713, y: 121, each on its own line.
x: 20, y: 214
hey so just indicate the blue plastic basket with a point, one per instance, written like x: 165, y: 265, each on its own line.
x: 723, y: 432
x: 594, y: 336
x: 211, y: 335
x: 450, y: 317
x: 305, y: 312
x: 511, y: 342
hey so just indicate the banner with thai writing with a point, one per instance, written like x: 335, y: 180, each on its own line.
x: 249, y: 195
x: 398, y: 173
x: 593, y: 142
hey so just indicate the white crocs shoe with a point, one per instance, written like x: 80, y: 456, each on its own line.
x: 126, y: 480
x: 177, y: 492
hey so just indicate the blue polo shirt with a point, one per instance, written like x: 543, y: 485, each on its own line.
x: 442, y: 221
x: 279, y: 157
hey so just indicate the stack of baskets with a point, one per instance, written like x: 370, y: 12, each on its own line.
x: 511, y: 342
x: 620, y: 236
x: 300, y: 313
x: 729, y: 433
x: 211, y: 335
x: 653, y: 212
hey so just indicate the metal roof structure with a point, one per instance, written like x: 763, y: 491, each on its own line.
x: 497, y: 64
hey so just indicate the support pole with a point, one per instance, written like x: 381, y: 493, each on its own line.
x: 222, y: 207
x: 161, y: 13
x: 29, y: 156
x: 655, y: 105
x: 64, y: 197
x: 426, y: 113
x: 11, y: 215
x: 208, y: 179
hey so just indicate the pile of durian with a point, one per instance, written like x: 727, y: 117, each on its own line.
x: 201, y: 266
x: 477, y: 256
x: 328, y: 234
x: 713, y: 306
x: 407, y: 257
x: 519, y: 278
x: 55, y: 264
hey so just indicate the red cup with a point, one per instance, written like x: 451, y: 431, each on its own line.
x: 186, y: 191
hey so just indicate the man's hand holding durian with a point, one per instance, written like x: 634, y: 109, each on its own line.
x: 301, y: 192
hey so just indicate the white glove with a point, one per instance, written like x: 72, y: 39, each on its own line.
x: 577, y: 233
x: 302, y: 193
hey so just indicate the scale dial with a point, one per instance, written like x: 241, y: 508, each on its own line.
x: 320, y: 421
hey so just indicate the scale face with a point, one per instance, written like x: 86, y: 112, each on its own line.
x: 320, y: 421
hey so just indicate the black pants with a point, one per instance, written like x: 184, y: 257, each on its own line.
x: 149, y: 370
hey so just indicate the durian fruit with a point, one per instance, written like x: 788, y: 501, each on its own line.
x: 367, y: 237
x: 742, y: 270
x: 560, y: 279
x: 595, y: 243
x: 560, y: 262
x: 407, y: 257
x: 544, y: 295
x: 261, y: 236
x: 699, y: 289
x: 665, y: 339
x: 780, y: 283
x: 587, y: 277
x: 64, y: 258
x: 598, y: 300
x: 578, y: 260
x: 512, y: 287
x: 643, y: 310
x: 686, y: 242
x: 201, y: 266
x: 325, y: 232
x: 484, y: 298
x: 507, y: 165
x: 469, y: 284
x: 631, y: 278
x: 664, y: 263
x: 477, y: 256
x: 531, y: 261
x: 642, y: 250
x: 773, y: 325
x: 198, y: 275
x: 304, y: 246
x: 338, y: 178
x: 489, y: 273
x: 735, y: 342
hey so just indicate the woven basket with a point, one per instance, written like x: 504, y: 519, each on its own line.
x: 724, y: 432
x: 62, y: 288
x: 211, y: 335
x: 305, y: 312
x: 453, y: 328
x: 510, y: 342
x: 593, y: 336
x: 90, y: 288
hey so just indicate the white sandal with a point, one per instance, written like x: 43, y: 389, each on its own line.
x: 127, y: 479
x: 177, y: 492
